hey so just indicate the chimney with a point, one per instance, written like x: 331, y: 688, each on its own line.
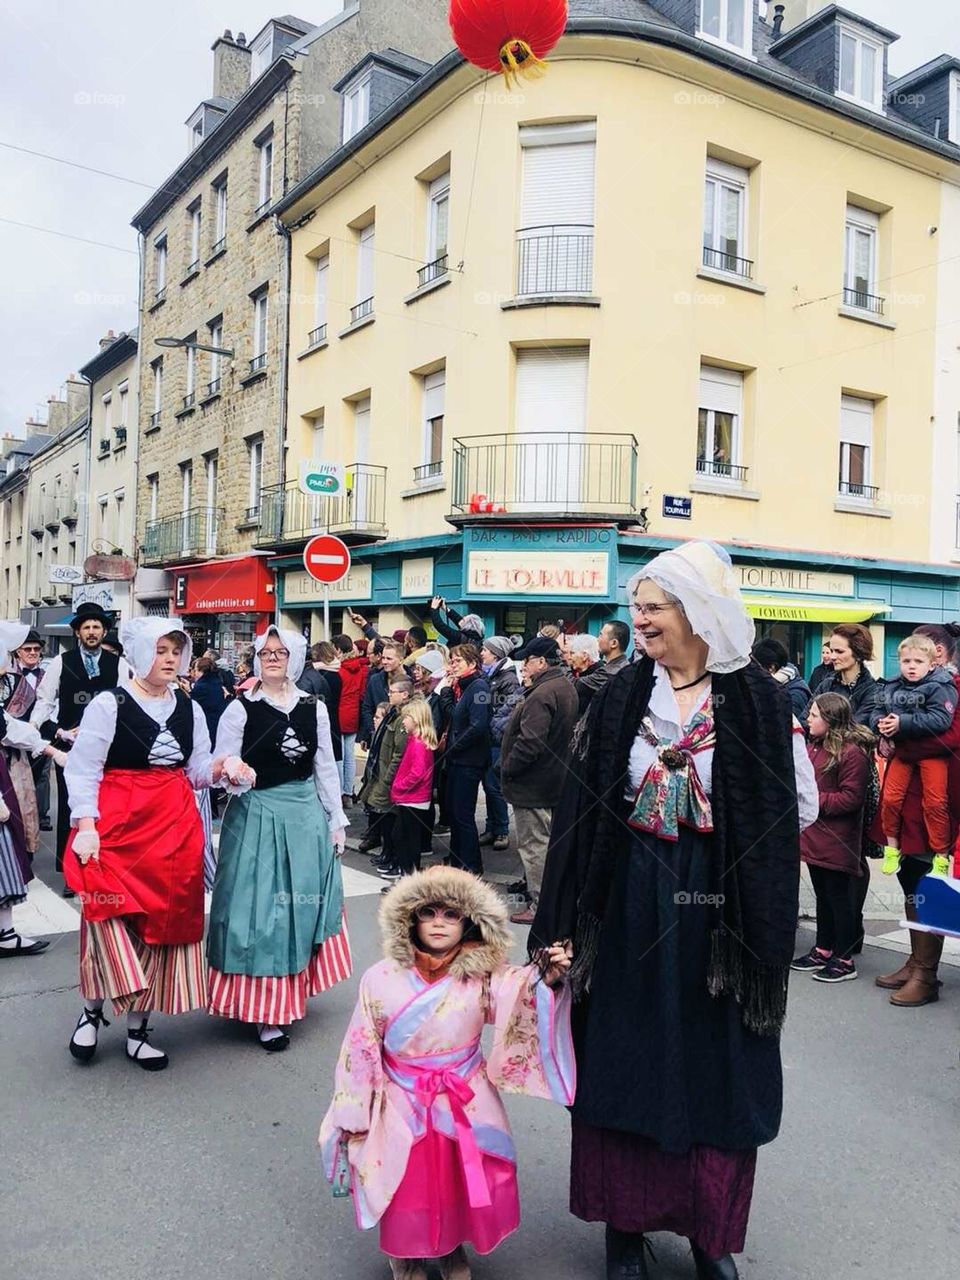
x: 57, y: 417
x: 107, y: 340
x: 78, y: 398
x: 797, y: 11
x: 777, y: 20
x: 231, y: 66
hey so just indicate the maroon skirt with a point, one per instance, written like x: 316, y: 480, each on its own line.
x: 626, y: 1180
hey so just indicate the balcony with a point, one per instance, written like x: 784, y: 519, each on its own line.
x: 863, y: 301
x: 866, y: 492
x: 288, y: 515
x: 316, y: 336
x: 361, y: 310
x: 258, y: 363
x: 427, y: 471
x: 154, y: 420
x: 51, y: 512
x: 718, y: 260
x: 104, y: 447
x: 432, y: 271
x: 565, y: 475
x: 69, y: 509
x: 720, y: 470
x: 121, y: 434
x: 555, y: 260
x: 191, y: 535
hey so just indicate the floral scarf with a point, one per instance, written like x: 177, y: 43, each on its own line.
x: 671, y: 792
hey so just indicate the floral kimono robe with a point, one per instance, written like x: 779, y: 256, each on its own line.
x: 430, y: 1153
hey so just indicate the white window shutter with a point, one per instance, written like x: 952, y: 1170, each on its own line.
x: 720, y: 389
x: 434, y: 388
x: 365, y: 264
x: 552, y: 389
x: 856, y: 420
x: 558, y: 185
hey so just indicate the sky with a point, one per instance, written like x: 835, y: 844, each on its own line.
x: 108, y: 85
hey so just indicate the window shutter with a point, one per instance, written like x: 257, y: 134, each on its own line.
x: 365, y: 264
x: 323, y: 269
x: 552, y: 389
x: 856, y: 420
x: 720, y: 389
x: 434, y: 386
x: 558, y: 184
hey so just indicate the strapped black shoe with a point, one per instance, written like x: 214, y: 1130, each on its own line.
x: 20, y: 948
x: 142, y: 1035
x: 89, y: 1018
x: 626, y: 1255
x: 714, y: 1268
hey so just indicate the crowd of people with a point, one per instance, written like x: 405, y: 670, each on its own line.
x: 662, y: 788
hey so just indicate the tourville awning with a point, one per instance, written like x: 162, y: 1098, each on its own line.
x: 776, y: 608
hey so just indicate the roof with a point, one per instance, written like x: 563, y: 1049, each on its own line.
x: 405, y: 63
x: 286, y: 20
x: 825, y: 16
x: 122, y: 348
x: 945, y: 62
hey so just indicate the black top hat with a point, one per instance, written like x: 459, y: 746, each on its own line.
x: 33, y: 636
x: 90, y: 612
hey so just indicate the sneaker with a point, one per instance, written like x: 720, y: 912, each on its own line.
x: 517, y: 890
x: 501, y: 842
x: 441, y: 830
x: 487, y: 838
x: 366, y: 845
x: 812, y: 961
x: 389, y: 873
x: 837, y: 971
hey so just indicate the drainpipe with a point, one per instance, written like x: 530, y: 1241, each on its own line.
x: 135, y: 545
x: 283, y: 380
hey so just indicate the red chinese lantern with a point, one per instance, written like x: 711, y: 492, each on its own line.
x: 512, y: 36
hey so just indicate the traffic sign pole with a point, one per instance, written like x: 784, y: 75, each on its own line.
x: 326, y: 612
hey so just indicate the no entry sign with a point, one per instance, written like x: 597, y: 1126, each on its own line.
x: 326, y: 558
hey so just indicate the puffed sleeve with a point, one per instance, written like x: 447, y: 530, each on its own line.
x: 808, y: 797
x: 325, y: 772
x: 200, y: 764
x: 230, y: 742
x: 84, y: 767
x: 23, y: 736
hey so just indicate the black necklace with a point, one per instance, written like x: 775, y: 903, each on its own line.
x: 678, y: 688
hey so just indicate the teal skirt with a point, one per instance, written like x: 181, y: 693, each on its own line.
x: 278, y: 892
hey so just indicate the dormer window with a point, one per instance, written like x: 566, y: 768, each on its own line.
x: 953, y: 132
x: 356, y: 106
x: 196, y: 134
x: 861, y: 69
x: 261, y: 51
x: 728, y: 22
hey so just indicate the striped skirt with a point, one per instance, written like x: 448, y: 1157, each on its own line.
x: 205, y: 809
x: 138, y: 976
x: 12, y: 886
x: 278, y: 1001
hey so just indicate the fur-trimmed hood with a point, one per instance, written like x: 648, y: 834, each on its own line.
x: 448, y: 887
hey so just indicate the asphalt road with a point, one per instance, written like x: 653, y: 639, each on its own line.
x: 211, y: 1166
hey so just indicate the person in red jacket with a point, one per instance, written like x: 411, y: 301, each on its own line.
x: 353, y: 680
x: 412, y: 787
x: 916, y: 983
x: 839, y: 752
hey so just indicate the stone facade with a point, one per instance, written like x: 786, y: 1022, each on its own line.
x: 15, y: 455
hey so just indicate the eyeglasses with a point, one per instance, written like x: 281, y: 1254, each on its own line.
x: 274, y: 655
x: 30, y: 648
x: 449, y: 914
x: 652, y: 610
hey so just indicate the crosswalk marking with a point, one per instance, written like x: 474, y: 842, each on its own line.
x: 45, y: 912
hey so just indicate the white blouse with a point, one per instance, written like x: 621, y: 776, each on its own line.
x: 325, y: 775
x: 665, y: 717
x: 84, y: 768
x: 22, y: 736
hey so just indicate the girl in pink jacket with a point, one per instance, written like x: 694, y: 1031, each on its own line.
x: 412, y: 787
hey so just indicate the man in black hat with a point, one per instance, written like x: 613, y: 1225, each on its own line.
x: 19, y: 697
x: 73, y: 679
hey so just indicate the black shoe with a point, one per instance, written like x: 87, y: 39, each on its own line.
x: 714, y: 1268
x: 366, y: 845
x: 389, y: 873
x: 67, y: 892
x: 517, y: 890
x: 487, y: 838
x: 46, y: 825
x: 441, y: 829
x: 276, y: 1044
x: 626, y: 1258
x: 142, y: 1035
x: 89, y: 1017
x: 20, y: 948
x: 380, y: 861
x: 810, y: 962
x: 837, y: 970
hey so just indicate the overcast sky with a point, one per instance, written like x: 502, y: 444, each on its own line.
x: 109, y: 85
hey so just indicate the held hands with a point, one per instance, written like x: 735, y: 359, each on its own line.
x: 339, y: 838
x: 68, y: 735
x: 889, y: 725
x: 59, y: 758
x: 233, y: 770
x: 558, y: 958
x: 86, y: 843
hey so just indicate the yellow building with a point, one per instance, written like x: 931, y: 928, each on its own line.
x: 676, y: 288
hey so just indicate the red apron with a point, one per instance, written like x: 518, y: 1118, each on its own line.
x: 151, y: 856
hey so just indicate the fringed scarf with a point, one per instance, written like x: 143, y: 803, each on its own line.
x: 756, y: 871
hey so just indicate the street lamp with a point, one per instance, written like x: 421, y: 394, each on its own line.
x: 195, y: 346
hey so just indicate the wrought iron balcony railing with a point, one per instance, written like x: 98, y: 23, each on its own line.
x: 428, y: 471
x: 848, y: 489
x: 720, y: 260
x: 187, y: 536
x: 432, y: 271
x: 289, y: 515
x: 555, y: 259
x: 361, y: 310
x: 721, y: 470
x: 545, y: 471
x: 317, y: 335
x: 863, y: 301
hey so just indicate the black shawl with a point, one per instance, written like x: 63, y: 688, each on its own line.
x: 756, y: 871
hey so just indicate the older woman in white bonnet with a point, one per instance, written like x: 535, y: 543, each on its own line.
x: 675, y: 871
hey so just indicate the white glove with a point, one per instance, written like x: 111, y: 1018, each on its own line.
x: 86, y: 845
x: 339, y: 838
x: 237, y: 774
x: 4, y: 811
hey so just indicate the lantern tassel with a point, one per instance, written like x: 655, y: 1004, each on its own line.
x: 518, y: 61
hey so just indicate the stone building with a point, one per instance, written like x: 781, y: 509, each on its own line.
x: 215, y: 269
x: 15, y: 455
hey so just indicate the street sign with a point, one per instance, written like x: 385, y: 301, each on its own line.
x: 677, y: 508
x: 326, y: 558
x: 323, y: 479
x: 71, y: 573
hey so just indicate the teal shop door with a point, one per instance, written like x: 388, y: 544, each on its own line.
x: 893, y: 633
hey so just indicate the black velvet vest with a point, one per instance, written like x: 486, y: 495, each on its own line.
x: 263, y: 734
x: 137, y: 732
x: 78, y: 690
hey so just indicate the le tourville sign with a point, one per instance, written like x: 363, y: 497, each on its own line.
x: 797, y: 581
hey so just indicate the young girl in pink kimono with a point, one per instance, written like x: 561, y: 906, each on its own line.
x: 416, y: 1124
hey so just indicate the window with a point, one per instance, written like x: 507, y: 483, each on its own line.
x: 259, y: 331
x: 157, y: 367
x: 153, y: 495
x: 160, y: 268
x: 119, y: 495
x: 555, y: 240
x: 191, y: 384
x: 219, y: 214
x: 255, y: 452
x: 215, y: 340
x: 434, y: 391
x: 861, y: 69
x: 261, y: 50
x: 860, y: 260
x: 210, y: 474
x: 107, y: 414
x: 953, y: 128
x: 856, y: 446
x: 122, y: 392
x: 728, y: 22
x: 321, y: 284
x: 102, y: 504
x: 356, y: 107
x: 264, y: 174
x: 193, y: 227
x: 196, y: 134
x: 551, y: 419
x: 718, y: 423
x: 364, y: 294
x: 187, y: 536
x: 724, y: 218
x: 438, y: 218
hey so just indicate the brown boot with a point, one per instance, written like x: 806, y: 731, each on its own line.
x: 407, y: 1268
x: 922, y: 986
x: 894, y: 981
x: 455, y: 1266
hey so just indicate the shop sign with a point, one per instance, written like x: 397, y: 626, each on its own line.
x: 100, y: 593
x: 225, y: 586
x: 756, y: 577
x: 542, y: 573
x: 416, y: 578
x: 300, y: 588
x: 70, y: 573
x: 326, y: 479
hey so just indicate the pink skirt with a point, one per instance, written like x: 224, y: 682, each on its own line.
x: 430, y: 1215
x: 280, y: 1001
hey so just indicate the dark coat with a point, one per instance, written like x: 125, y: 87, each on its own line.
x: 834, y: 841
x: 209, y: 692
x: 374, y: 693
x: 505, y: 692
x: 588, y: 682
x: 468, y: 737
x: 536, y: 742
x: 393, y: 740
x: 798, y: 691
x: 450, y: 629
x: 861, y: 695
x: 925, y: 707
x: 817, y: 676
x: 325, y: 685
